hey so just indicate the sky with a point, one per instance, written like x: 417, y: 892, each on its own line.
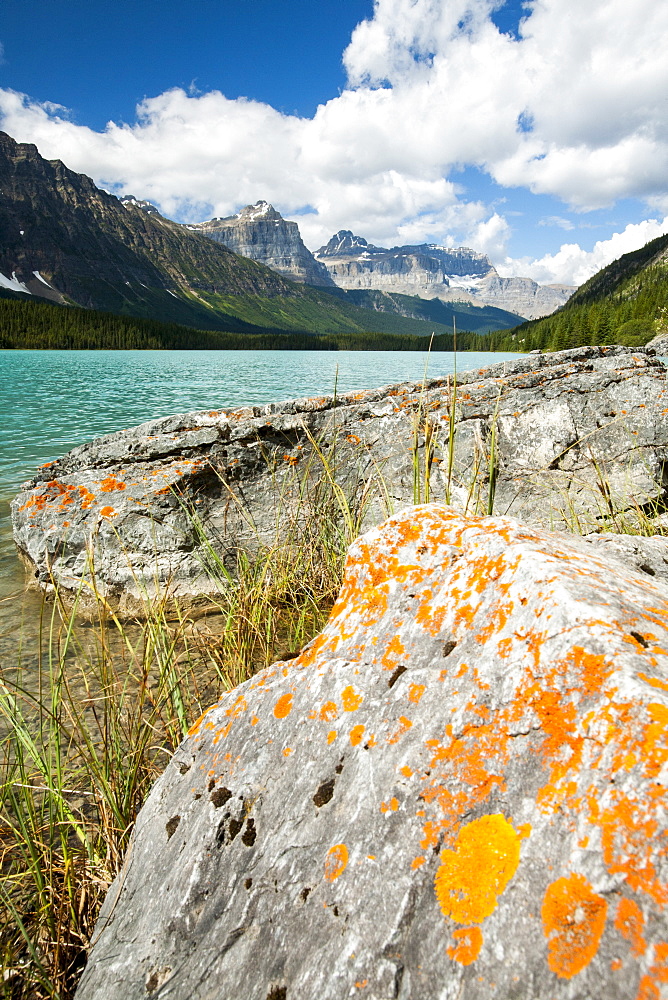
x: 535, y: 132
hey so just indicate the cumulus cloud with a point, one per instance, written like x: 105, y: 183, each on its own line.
x: 572, y: 265
x: 572, y: 107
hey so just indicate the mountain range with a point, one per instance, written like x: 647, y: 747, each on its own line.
x: 261, y: 233
x: 427, y: 270
x: 64, y: 239
x: 431, y: 271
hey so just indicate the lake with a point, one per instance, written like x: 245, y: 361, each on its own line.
x: 51, y: 401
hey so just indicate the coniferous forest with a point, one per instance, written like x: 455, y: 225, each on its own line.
x: 43, y: 325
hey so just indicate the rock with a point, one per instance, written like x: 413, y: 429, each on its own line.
x: 458, y: 790
x: 261, y: 233
x: 431, y: 271
x: 647, y: 555
x: 567, y: 438
x: 659, y: 343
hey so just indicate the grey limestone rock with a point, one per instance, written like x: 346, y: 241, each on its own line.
x: 456, y: 792
x: 559, y: 440
x: 261, y: 233
x: 660, y: 344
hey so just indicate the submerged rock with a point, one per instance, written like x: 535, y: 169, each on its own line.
x: 559, y: 440
x: 457, y: 790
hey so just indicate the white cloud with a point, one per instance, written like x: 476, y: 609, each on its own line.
x: 433, y: 86
x: 556, y: 220
x: 572, y: 265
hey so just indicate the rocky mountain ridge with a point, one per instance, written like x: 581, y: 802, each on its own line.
x: 349, y: 262
x: 431, y: 271
x: 261, y: 233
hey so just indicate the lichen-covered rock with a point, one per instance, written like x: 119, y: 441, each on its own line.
x: 557, y: 440
x: 456, y: 792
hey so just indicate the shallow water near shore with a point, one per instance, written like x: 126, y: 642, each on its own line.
x: 51, y: 401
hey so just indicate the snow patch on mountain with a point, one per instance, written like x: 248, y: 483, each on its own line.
x: 13, y: 283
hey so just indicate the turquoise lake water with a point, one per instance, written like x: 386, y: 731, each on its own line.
x: 51, y: 401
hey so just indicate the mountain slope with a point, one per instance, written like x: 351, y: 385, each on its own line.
x: 477, y: 319
x: 63, y: 238
x: 624, y: 303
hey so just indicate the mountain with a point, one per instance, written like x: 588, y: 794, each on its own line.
x: 261, y: 233
x: 624, y: 303
x: 431, y: 271
x: 64, y: 239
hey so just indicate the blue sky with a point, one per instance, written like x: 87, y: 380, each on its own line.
x: 101, y: 58
x: 536, y: 132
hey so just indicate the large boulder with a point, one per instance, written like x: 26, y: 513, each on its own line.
x: 457, y: 790
x: 561, y: 440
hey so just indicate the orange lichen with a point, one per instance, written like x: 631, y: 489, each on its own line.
x: 328, y: 712
x: 107, y: 512
x: 417, y: 862
x: 390, y: 806
x: 87, y: 498
x: 394, y: 651
x: 288, y: 751
x: 351, y: 699
x: 356, y: 734
x: 573, y: 923
x: 630, y: 923
x: 653, y: 681
x: 331, y: 735
x: 110, y: 484
x: 403, y: 727
x: 658, y: 973
x: 283, y: 706
x: 415, y: 692
x: 196, y: 726
x: 647, y: 990
x: 237, y: 708
x: 471, y: 877
x: 469, y: 943
x: 336, y: 862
